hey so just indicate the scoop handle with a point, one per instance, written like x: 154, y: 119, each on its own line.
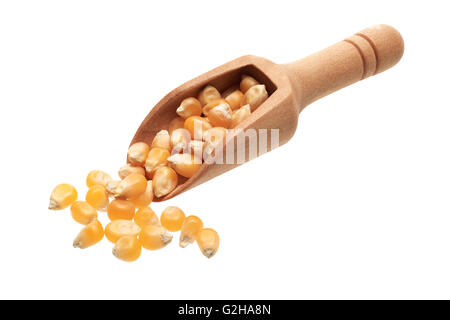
x: 366, y: 53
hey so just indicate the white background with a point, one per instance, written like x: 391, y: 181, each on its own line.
x: 356, y: 205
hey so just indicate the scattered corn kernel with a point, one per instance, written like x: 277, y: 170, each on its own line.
x: 146, y: 216
x: 127, y: 248
x: 172, y: 218
x: 89, y: 235
x: 212, y: 104
x: 191, y: 226
x: 82, y: 212
x: 240, y: 115
x: 128, y: 169
x: 214, y: 138
x: 189, y: 107
x: 157, y: 158
x: 180, y: 139
x: 165, y: 181
x: 247, y: 82
x: 154, y: 237
x: 145, y: 198
x: 176, y: 123
x: 220, y: 116
x: 132, y: 186
x: 234, y: 99
x: 111, y: 187
x: 137, y: 153
x: 185, y: 164
x: 97, y: 197
x: 120, y: 228
x: 208, y: 94
x: 97, y: 177
x: 208, y: 242
x: 121, y: 209
x: 162, y: 140
x: 196, y: 126
x: 62, y: 196
x: 255, y: 96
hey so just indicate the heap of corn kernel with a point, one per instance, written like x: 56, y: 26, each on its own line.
x: 152, y: 171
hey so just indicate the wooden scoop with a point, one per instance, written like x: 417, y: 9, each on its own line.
x: 291, y: 87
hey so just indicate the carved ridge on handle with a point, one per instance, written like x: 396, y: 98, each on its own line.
x: 362, y: 57
x: 374, y: 48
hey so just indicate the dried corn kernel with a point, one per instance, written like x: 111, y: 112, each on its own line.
x: 212, y: 104
x: 230, y: 90
x: 162, y: 140
x: 97, y: 177
x: 240, y: 115
x: 172, y: 218
x: 247, y: 82
x: 145, y: 198
x: 208, y: 94
x: 164, y: 181
x: 208, y: 242
x: 176, y: 123
x: 180, y: 139
x: 189, y: 107
x: 132, y: 186
x: 220, y: 116
x: 145, y: 217
x: 255, y: 96
x: 191, y: 226
x: 185, y: 164
x: 196, y: 126
x: 154, y: 237
x: 82, y: 212
x: 128, y: 169
x: 157, y: 157
x: 196, y: 148
x: 120, y: 228
x: 97, y: 196
x: 121, y: 209
x: 89, y: 235
x: 111, y: 187
x: 234, y: 99
x: 214, y: 138
x: 62, y: 196
x: 137, y: 153
x: 127, y: 248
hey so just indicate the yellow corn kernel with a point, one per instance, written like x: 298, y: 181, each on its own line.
x: 196, y: 126
x: 220, y: 116
x: 234, y: 99
x: 162, y: 140
x: 154, y: 237
x: 208, y: 241
x: 255, y: 96
x: 189, y: 107
x: 127, y: 248
x: 208, y: 94
x: 97, y: 177
x: 121, y: 209
x: 111, y: 187
x: 185, y: 164
x: 146, y: 216
x: 247, y: 82
x: 132, y: 186
x: 176, y: 123
x: 211, y: 105
x: 128, y: 169
x: 137, y: 153
x: 62, y: 196
x: 172, y: 218
x: 82, y: 212
x: 196, y: 148
x: 214, y: 138
x: 157, y: 157
x: 164, y: 181
x: 97, y: 197
x: 191, y: 226
x: 240, y: 115
x: 120, y: 228
x: 89, y: 235
x: 180, y: 139
x: 230, y: 90
x: 145, y: 198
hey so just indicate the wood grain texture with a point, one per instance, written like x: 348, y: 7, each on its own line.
x: 291, y: 88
